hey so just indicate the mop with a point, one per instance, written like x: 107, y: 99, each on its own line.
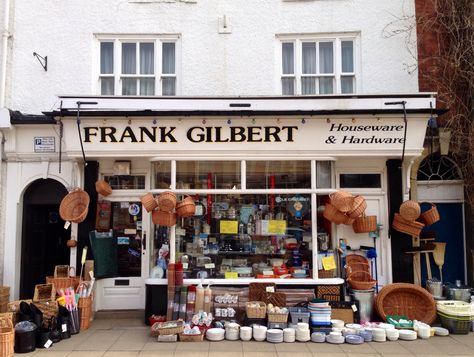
x: 438, y: 255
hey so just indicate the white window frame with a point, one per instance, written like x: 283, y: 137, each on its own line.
x: 336, y: 39
x: 117, y: 40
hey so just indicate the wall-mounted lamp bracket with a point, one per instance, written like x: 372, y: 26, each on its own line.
x: 42, y: 60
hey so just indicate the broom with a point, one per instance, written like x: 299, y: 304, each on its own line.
x: 438, y: 255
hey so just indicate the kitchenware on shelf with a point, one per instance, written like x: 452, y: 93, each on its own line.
x: 435, y: 287
x: 275, y: 335
x: 232, y: 331
x: 438, y: 255
x: 289, y: 335
x: 457, y: 291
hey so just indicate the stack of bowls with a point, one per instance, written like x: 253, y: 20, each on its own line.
x: 232, y: 331
x: 392, y: 334
x: 289, y: 335
x: 407, y: 335
x: 318, y: 337
x: 245, y: 333
x: 337, y: 323
x: 379, y: 335
x: 441, y: 331
x: 274, y: 335
x: 303, y: 334
x: 348, y: 331
x: 335, y: 337
x: 354, y: 339
x: 366, y: 334
x: 259, y: 332
x: 215, y: 334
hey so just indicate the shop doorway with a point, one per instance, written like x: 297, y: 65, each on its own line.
x: 43, y: 243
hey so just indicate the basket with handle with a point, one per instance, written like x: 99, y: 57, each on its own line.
x: 186, y: 207
x: 412, y: 228
x: 431, y: 215
x: 191, y: 338
x: 410, y: 210
x: 351, y: 268
x: 74, y: 206
x: 167, y: 201
x: 342, y: 200
x: 149, y: 202
x: 365, y: 224
x: 167, y: 328
x: 361, y: 280
x: 356, y: 258
x: 255, y: 309
x: 103, y: 187
x: 358, y: 207
x: 274, y: 317
x: 162, y: 218
x: 7, y: 336
x: 45, y: 300
x: 331, y: 213
x: 62, y: 282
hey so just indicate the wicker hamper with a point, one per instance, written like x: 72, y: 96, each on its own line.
x: 7, y: 336
x: 45, y: 300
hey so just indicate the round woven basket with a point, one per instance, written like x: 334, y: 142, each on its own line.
x: 332, y: 214
x: 431, y: 215
x: 358, y: 207
x: 186, y: 207
x: 354, y: 267
x: 412, y: 228
x: 402, y: 299
x: 162, y: 218
x: 361, y: 280
x: 7, y: 336
x: 342, y: 200
x: 365, y: 224
x: 410, y: 210
x: 167, y: 201
x: 74, y: 206
x: 103, y: 188
x: 355, y: 258
x: 148, y: 201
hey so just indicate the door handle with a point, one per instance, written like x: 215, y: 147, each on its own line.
x: 144, y: 242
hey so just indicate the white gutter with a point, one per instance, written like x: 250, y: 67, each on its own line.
x: 5, y: 36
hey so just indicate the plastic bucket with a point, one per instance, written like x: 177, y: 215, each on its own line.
x: 366, y: 303
x: 25, y: 342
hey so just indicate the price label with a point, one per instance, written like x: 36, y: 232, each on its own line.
x: 228, y: 227
x: 185, y: 265
x: 67, y: 224
x: 329, y: 263
x: 276, y: 226
x: 48, y: 344
x: 209, y: 266
x: 64, y: 327
x: 270, y: 289
x: 231, y: 275
x: 354, y: 307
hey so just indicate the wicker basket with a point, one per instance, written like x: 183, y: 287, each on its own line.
x: 326, y: 274
x: 342, y: 200
x: 331, y: 213
x: 431, y: 215
x: 167, y: 328
x: 44, y: 292
x: 48, y: 308
x: 256, y: 312
x: 410, y: 210
x: 63, y: 283
x: 365, y: 224
x: 361, y: 280
x: 149, y: 202
x: 402, y: 299
x: 191, y: 338
x: 276, y: 299
x: 358, y: 207
x: 186, y: 207
x: 272, y: 317
x: 412, y: 228
x: 167, y: 201
x: 348, y: 220
x: 352, y: 268
x: 166, y: 219
x: 74, y: 206
x: 85, y: 311
x: 103, y: 188
x: 355, y: 258
x: 7, y: 337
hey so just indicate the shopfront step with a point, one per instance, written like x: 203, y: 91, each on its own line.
x: 119, y: 314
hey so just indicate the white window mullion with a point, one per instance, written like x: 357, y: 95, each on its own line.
x: 117, y: 66
x: 317, y: 67
x: 157, y: 63
x: 337, y: 65
x: 298, y: 65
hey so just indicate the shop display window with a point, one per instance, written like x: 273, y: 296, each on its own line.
x: 126, y: 182
x: 162, y: 174
x: 323, y: 174
x: 208, y: 175
x: 278, y: 174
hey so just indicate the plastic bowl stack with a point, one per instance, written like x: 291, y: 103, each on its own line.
x: 354, y: 339
x: 245, y: 333
x: 335, y: 337
x: 274, y: 335
x: 407, y: 335
x: 303, y: 334
x: 259, y: 332
x: 318, y: 337
x: 378, y: 335
x: 392, y: 334
x: 348, y: 331
x: 215, y: 334
x: 289, y: 335
x: 232, y: 331
x: 366, y: 334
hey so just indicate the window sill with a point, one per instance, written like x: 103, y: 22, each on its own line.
x: 246, y: 281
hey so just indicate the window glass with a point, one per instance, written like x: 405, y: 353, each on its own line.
x: 129, y: 58
x: 347, y: 54
x: 147, y: 86
x: 347, y: 84
x: 309, y: 57
x: 323, y: 174
x: 129, y: 182
x: 208, y: 174
x: 168, y: 58
x: 106, y: 57
x: 326, y: 85
x: 129, y: 86
x: 162, y: 174
x: 288, y: 86
x: 278, y: 174
x: 147, y: 58
x: 169, y: 86
x: 326, y: 60
x: 107, y: 86
x: 360, y: 181
x: 288, y: 58
x: 308, y: 85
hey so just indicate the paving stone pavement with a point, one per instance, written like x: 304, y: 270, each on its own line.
x: 129, y: 337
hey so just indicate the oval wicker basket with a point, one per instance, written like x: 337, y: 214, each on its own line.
x: 186, y: 207
x: 167, y: 201
x: 402, y: 299
x: 7, y: 337
x: 332, y: 214
x: 431, y: 215
x: 162, y: 218
x: 358, y: 207
x: 103, y: 187
x: 356, y: 258
x: 412, y: 228
x: 74, y: 206
x: 354, y: 267
x: 342, y: 200
x: 256, y: 312
x: 148, y: 202
x: 361, y: 280
x: 365, y: 224
x: 410, y: 210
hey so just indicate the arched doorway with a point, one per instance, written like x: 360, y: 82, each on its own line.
x: 43, y: 243
x: 440, y: 181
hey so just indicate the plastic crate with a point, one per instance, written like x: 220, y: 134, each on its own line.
x: 299, y: 314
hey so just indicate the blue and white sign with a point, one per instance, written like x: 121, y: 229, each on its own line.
x: 45, y: 144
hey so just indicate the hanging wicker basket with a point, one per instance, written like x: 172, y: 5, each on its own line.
x: 167, y: 201
x: 332, y: 214
x: 361, y: 280
x: 365, y: 224
x: 74, y: 206
x: 358, y: 208
x: 161, y: 218
x: 186, y: 207
x: 149, y: 202
x: 410, y: 210
x: 412, y: 228
x: 342, y: 200
x: 103, y: 188
x: 431, y: 215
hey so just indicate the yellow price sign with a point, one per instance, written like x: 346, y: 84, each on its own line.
x: 228, y: 227
x: 277, y: 226
x: 231, y: 275
x: 329, y: 263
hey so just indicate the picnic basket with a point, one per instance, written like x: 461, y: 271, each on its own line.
x: 45, y: 299
x: 167, y: 328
